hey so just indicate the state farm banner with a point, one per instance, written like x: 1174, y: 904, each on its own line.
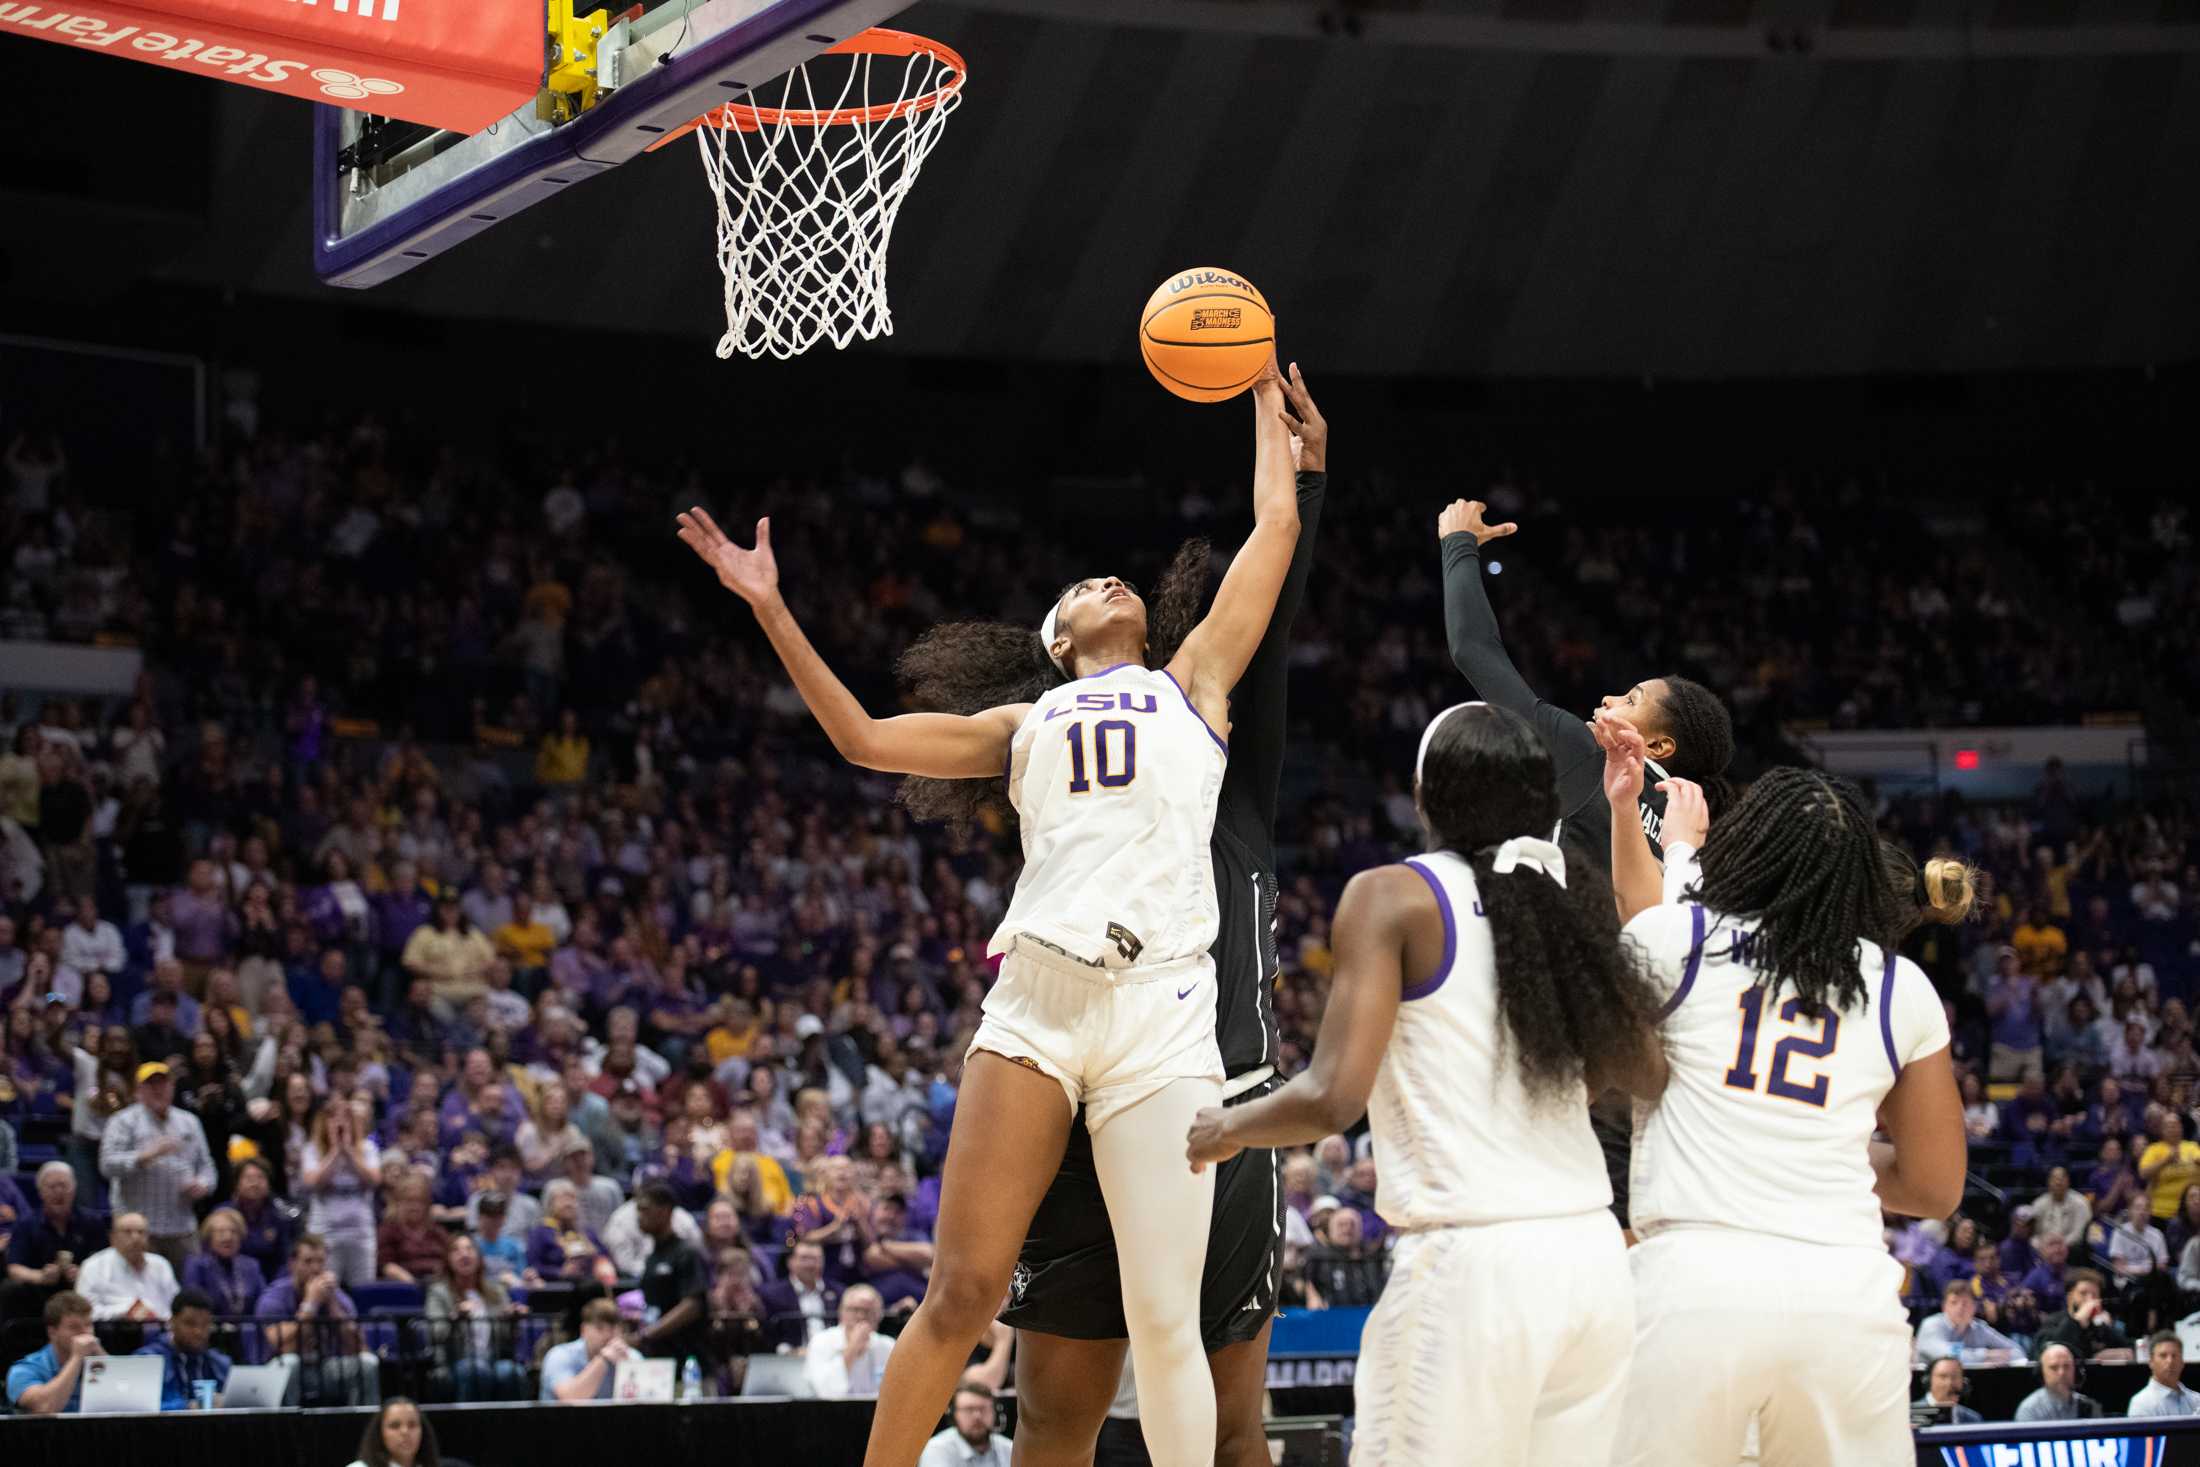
x: 456, y: 64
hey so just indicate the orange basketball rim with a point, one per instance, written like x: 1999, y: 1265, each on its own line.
x: 877, y: 41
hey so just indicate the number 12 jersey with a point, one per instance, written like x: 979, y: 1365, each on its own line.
x: 1767, y: 1121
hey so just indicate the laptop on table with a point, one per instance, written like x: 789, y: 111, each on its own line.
x: 117, y: 1383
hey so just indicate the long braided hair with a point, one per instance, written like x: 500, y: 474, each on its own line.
x: 1799, y: 854
x: 1703, y: 739
x: 967, y: 667
x: 1575, y: 1004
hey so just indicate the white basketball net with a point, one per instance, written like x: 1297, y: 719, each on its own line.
x: 806, y: 206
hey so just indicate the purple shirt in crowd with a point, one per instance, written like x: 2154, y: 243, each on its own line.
x: 2046, y: 1284
x: 457, y: 1117
x: 843, y: 1254
x: 280, y: 1301
x: 582, y: 973
x: 204, y: 928
x: 267, y: 1238
x: 234, y: 1284
x: 547, y: 1248
x: 398, y: 914
x: 2017, y: 1020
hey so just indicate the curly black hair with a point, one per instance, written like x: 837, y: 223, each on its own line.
x: 1577, y: 1005
x: 1703, y: 739
x: 967, y: 667
x: 1799, y: 854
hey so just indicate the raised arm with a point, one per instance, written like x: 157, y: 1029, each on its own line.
x: 1637, y: 880
x: 1215, y: 655
x: 941, y: 745
x: 1470, y: 629
x: 1257, y: 705
x: 1370, y: 933
x: 1470, y: 625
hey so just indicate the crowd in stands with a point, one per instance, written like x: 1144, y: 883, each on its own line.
x: 462, y: 919
x: 2071, y: 1010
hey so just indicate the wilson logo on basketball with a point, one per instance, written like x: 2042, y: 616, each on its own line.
x: 1193, y: 278
x: 1218, y: 318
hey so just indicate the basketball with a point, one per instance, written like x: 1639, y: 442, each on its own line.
x: 1206, y: 334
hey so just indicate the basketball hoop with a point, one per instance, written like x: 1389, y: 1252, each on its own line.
x: 807, y: 194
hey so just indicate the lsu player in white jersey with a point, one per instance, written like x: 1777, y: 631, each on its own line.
x: 1794, y: 1032
x: 1480, y: 998
x: 1106, y: 993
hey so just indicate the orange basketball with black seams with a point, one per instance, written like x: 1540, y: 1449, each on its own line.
x: 1206, y: 334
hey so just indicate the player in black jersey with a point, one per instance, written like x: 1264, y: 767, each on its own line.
x: 1065, y: 1299
x: 1686, y: 734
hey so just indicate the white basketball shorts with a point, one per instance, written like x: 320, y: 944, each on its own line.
x: 1498, y: 1345
x: 1810, y: 1340
x: 1109, y: 1037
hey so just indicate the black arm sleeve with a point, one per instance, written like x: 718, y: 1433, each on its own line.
x: 1251, y: 784
x: 1470, y: 627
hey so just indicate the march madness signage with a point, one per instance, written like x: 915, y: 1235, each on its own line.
x: 1289, y: 1374
x: 454, y: 64
x: 2127, y: 1451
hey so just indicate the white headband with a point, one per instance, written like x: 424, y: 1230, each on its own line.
x: 1428, y: 735
x: 1046, y: 638
x: 1522, y: 850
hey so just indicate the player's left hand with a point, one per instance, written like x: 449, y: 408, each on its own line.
x: 1687, y: 817
x: 1465, y: 517
x: 1309, y: 429
x: 1623, y: 750
x: 1205, y: 1143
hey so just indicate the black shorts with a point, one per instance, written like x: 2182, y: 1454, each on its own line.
x: 1066, y: 1281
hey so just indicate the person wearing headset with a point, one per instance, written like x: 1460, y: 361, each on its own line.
x: 2058, y: 1397
x: 1942, y: 1403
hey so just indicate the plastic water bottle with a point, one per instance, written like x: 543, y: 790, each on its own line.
x: 691, y: 1380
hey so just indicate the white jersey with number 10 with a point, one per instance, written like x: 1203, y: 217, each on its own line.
x: 1114, y: 778
x: 1767, y: 1121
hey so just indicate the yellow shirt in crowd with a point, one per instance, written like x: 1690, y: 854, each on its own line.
x: 527, y: 944
x: 778, y: 1194
x: 2169, y: 1184
x: 562, y: 760
x: 2040, y: 949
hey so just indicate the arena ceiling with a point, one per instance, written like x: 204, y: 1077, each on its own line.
x: 1635, y: 188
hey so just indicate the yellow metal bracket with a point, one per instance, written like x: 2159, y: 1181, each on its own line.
x: 572, y: 85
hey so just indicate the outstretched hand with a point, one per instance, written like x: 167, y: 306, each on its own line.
x: 1309, y: 429
x: 753, y: 575
x: 1464, y: 517
x: 1624, y: 752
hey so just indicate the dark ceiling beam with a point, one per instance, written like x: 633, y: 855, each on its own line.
x: 1927, y: 40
